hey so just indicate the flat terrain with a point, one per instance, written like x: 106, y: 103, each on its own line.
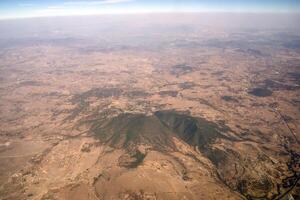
x: 154, y: 107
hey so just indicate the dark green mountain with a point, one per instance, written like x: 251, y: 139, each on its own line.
x: 127, y: 130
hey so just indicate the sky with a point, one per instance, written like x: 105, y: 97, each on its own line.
x: 40, y: 8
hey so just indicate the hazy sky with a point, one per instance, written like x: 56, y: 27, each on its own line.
x: 32, y: 8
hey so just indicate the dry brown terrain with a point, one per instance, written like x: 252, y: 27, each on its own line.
x: 149, y: 110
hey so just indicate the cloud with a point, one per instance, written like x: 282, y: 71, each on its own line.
x: 95, y: 2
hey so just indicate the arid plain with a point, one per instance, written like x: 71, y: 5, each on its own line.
x: 149, y: 107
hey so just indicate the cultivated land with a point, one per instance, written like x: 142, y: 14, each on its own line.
x: 149, y: 107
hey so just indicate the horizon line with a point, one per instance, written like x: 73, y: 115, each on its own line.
x: 149, y: 12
